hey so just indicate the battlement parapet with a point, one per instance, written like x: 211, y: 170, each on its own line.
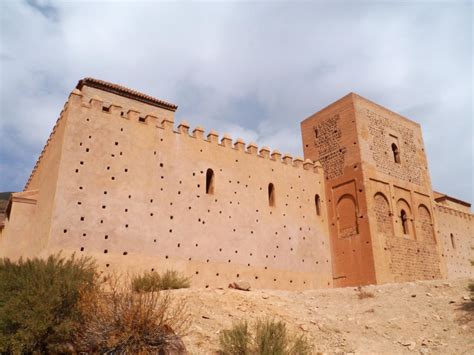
x: 183, y: 128
x: 252, y: 148
x: 98, y: 104
x: 198, y: 132
x: 75, y: 96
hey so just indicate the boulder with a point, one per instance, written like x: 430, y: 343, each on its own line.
x: 240, y: 285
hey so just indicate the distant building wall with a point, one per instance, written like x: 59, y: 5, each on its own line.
x: 456, y: 229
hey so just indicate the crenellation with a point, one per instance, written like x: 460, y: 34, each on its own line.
x: 298, y: 162
x: 132, y: 115
x: 213, y: 137
x: 226, y: 141
x: 96, y: 103
x: 318, y: 168
x: 115, y: 110
x: 252, y: 148
x: 239, y: 145
x: 264, y: 152
x: 183, y: 128
x: 151, y: 120
x: 287, y: 159
x: 75, y: 92
x: 198, y: 133
x: 276, y: 155
x: 167, y: 124
x: 43, y: 151
x: 308, y: 164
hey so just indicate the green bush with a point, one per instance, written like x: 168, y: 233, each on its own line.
x: 271, y: 338
x: 153, y: 281
x: 237, y: 340
x: 38, y: 302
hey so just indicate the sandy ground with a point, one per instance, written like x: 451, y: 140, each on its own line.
x: 424, y: 317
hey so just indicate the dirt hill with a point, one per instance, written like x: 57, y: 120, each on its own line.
x: 427, y: 317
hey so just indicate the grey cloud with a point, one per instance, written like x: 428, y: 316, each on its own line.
x: 251, y: 69
x: 45, y: 8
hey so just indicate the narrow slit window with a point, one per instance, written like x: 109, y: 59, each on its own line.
x: 317, y: 204
x: 396, y: 153
x: 452, y: 240
x: 404, y: 221
x: 209, y: 182
x: 271, y: 195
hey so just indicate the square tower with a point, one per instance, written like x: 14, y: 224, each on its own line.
x: 380, y: 199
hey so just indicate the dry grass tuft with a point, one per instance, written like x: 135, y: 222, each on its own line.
x: 153, y: 281
x: 271, y: 338
x: 126, y: 322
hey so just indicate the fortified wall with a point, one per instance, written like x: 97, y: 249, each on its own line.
x: 136, y: 194
x: 118, y: 181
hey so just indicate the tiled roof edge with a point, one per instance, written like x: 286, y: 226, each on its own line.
x: 126, y: 92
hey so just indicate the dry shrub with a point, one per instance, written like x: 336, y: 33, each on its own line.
x: 39, y: 302
x: 271, y: 338
x: 361, y: 293
x: 153, y: 281
x: 126, y: 322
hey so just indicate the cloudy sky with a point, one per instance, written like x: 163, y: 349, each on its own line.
x: 252, y: 69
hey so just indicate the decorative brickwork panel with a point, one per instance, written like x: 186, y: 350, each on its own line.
x: 409, y: 168
x: 412, y: 260
x: 328, y: 142
x: 382, y: 212
x: 347, y: 217
x: 425, y: 224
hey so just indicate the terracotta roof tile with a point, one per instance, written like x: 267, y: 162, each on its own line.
x: 126, y: 92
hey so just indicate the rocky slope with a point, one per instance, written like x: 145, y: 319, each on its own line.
x: 427, y: 317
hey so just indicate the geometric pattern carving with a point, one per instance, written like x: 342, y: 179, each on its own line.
x: 410, y: 168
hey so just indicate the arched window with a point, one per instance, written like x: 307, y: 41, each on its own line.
x: 317, y: 204
x: 346, y: 210
x: 271, y: 194
x: 404, y: 219
x: 382, y: 212
x: 452, y: 240
x: 404, y: 222
x: 396, y: 153
x: 209, y: 181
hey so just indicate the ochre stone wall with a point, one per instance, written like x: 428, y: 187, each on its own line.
x: 411, y: 260
x: 133, y: 195
x: 456, y: 230
x: 118, y: 182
